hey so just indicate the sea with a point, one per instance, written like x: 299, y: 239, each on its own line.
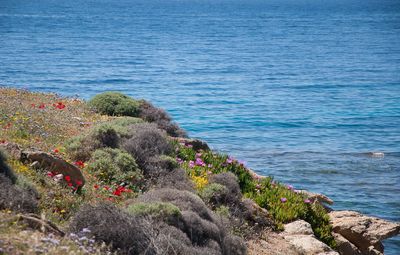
x: 302, y: 90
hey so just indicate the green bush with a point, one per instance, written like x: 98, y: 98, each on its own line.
x: 214, y: 194
x: 114, y: 165
x: 115, y: 104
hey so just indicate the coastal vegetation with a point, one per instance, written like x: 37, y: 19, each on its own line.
x: 147, y: 189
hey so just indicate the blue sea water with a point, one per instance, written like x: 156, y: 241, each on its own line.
x: 301, y: 90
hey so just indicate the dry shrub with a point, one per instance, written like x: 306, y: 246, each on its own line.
x: 81, y: 147
x: 231, y: 182
x: 5, y: 169
x: 175, y: 179
x: 200, y: 225
x: 146, y: 142
x: 15, y: 198
x: 150, y: 113
x: 108, y: 224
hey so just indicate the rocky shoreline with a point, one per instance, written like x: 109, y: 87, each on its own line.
x: 230, y: 208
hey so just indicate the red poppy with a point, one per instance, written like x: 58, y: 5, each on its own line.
x: 42, y: 106
x: 80, y: 164
x: 56, y: 151
x: 33, y: 105
x: 96, y: 186
x: 69, y: 184
x: 59, y: 105
x: 51, y: 174
x: 78, y: 183
x: 67, y: 178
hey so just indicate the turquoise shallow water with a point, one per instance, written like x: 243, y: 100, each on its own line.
x: 300, y: 90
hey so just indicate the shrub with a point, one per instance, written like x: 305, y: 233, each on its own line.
x: 114, y: 165
x: 151, y: 113
x: 146, y: 142
x: 214, y: 194
x: 5, y: 169
x: 234, y: 245
x: 114, y: 104
x: 15, y: 198
x: 230, y: 181
x: 166, y: 212
x: 101, y: 136
x: 109, y: 224
x: 175, y: 179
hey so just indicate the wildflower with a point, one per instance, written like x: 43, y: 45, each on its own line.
x: 59, y: 105
x: 179, y: 160
x: 229, y: 160
x: 258, y: 186
x: 209, y: 172
x: 307, y: 201
x: 289, y: 187
x: 191, y: 164
x: 96, y: 186
x: 50, y: 174
x: 80, y: 164
x: 33, y: 105
x: 210, y: 165
x: 283, y: 199
x: 42, y: 106
x: 67, y: 178
x: 242, y: 163
x: 198, y: 155
x: 78, y: 183
x: 199, y: 162
x: 69, y: 184
x: 56, y: 150
x: 106, y: 188
x: 188, y: 146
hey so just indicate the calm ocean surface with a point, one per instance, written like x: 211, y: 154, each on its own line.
x: 301, y: 90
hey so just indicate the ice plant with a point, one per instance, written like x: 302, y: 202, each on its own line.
x: 283, y: 199
x: 307, y: 201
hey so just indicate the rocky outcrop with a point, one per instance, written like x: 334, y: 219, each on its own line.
x: 363, y: 232
x: 316, y: 197
x: 301, y: 236
x: 72, y: 174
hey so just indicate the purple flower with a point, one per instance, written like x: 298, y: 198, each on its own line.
x: 283, y: 199
x: 210, y: 165
x: 199, y: 162
x: 289, y: 187
x: 191, y: 164
x: 179, y: 160
x: 209, y: 172
x: 242, y: 163
x: 198, y: 155
x: 188, y: 146
x: 307, y: 201
x: 229, y: 160
x: 258, y: 186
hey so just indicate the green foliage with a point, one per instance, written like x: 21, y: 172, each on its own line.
x: 114, y: 165
x: 282, y: 202
x: 212, y: 192
x: 115, y: 104
x: 159, y: 210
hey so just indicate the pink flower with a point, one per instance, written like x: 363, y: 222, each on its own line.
x: 191, y: 164
x: 198, y: 155
x: 199, y: 162
x: 210, y: 165
x: 307, y: 201
x: 289, y: 187
x: 283, y: 199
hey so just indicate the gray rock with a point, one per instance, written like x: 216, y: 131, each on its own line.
x: 298, y: 227
x: 365, y: 232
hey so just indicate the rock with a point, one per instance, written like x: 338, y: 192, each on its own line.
x: 270, y: 244
x: 57, y: 166
x: 316, y: 197
x: 13, y: 150
x: 196, y: 143
x: 298, y: 227
x: 309, y: 245
x: 344, y: 246
x: 299, y: 234
x: 365, y: 232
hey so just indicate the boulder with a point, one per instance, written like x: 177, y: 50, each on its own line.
x: 309, y: 245
x: 365, y: 232
x: 344, y: 246
x: 56, y: 166
x: 301, y: 236
x: 298, y: 227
